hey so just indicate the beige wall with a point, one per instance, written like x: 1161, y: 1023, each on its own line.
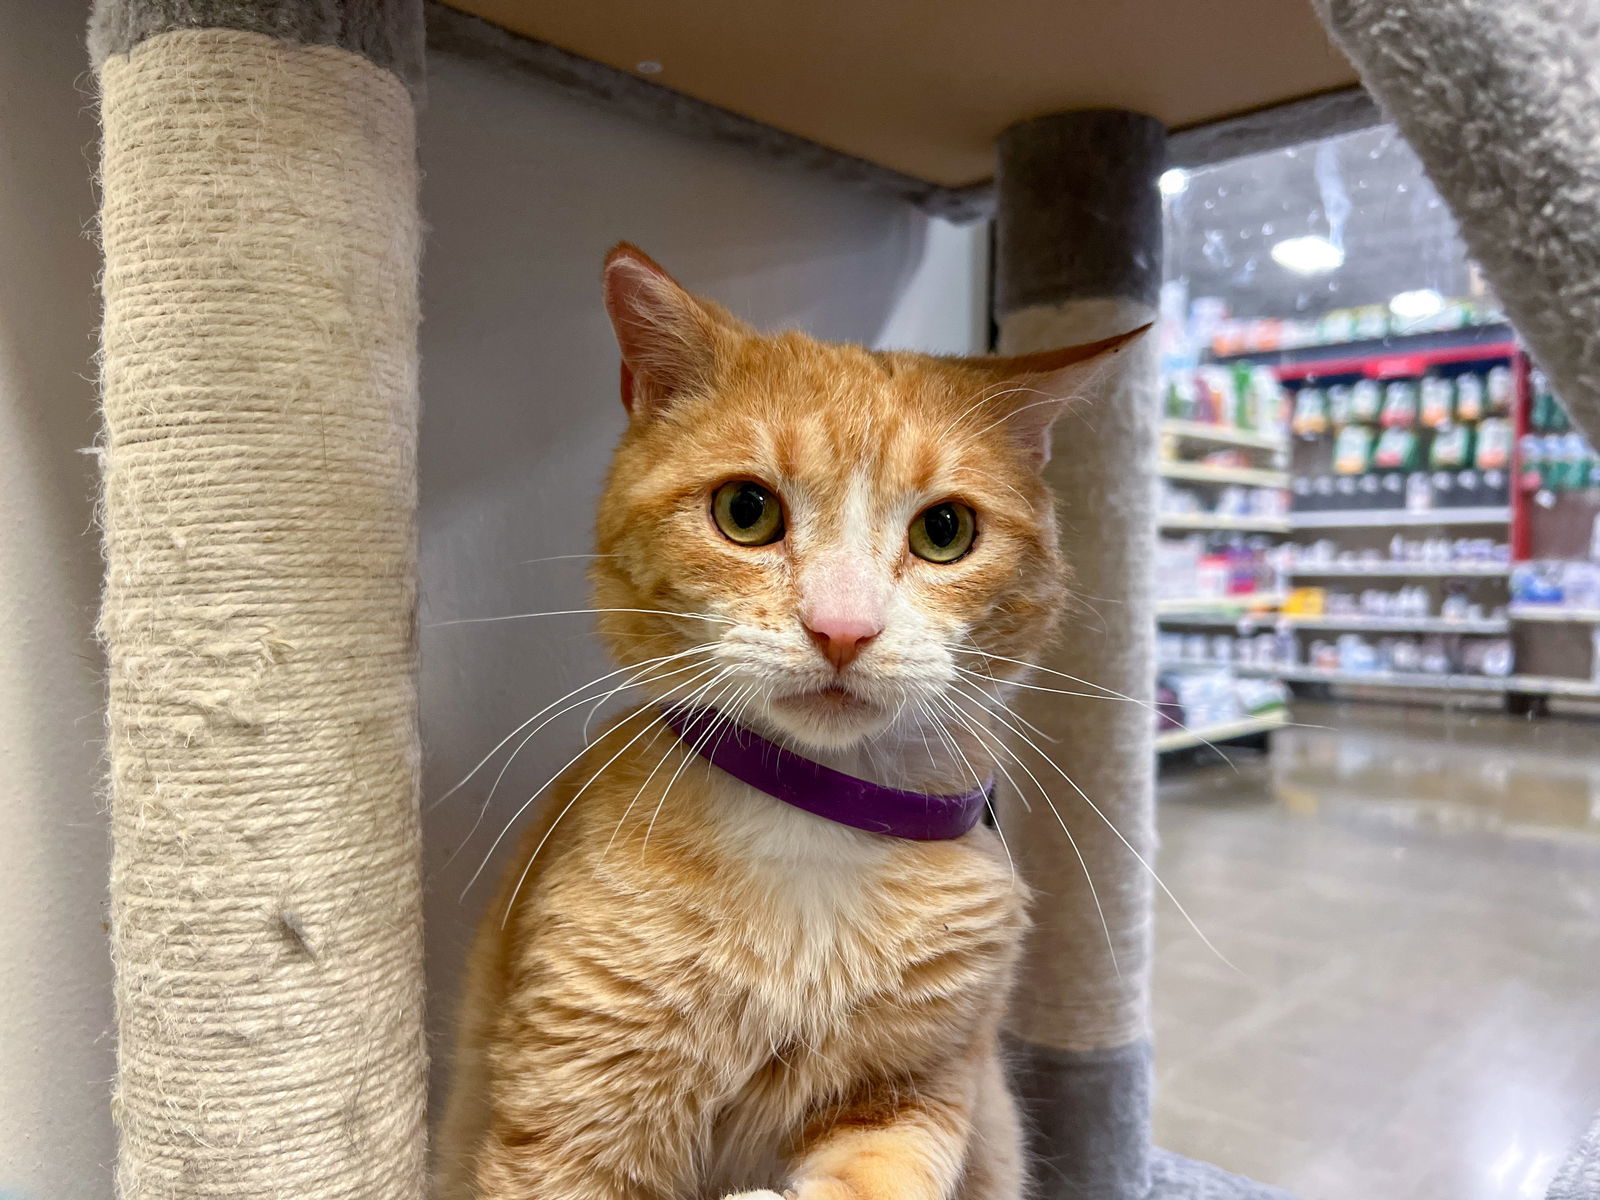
x: 524, y: 192
x: 55, y: 975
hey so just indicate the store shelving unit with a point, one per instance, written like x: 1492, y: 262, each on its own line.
x: 1258, y: 464
x: 1202, y: 433
x: 1400, y: 570
x: 1554, y: 614
x: 1359, y: 622
x: 1201, y: 473
x: 1396, y: 518
x: 1205, y: 522
x: 1183, y: 739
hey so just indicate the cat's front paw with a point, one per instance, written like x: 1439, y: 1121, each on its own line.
x: 760, y: 1194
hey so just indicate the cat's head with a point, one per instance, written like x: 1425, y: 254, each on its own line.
x: 840, y: 529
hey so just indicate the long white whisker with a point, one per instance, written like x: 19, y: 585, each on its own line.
x: 541, y: 790
x: 634, y: 681
x: 983, y: 786
x: 582, y: 687
x: 683, y: 704
x: 659, y: 719
x: 572, y: 612
x: 687, y: 759
x: 1111, y: 693
x: 1132, y: 849
x: 1088, y: 875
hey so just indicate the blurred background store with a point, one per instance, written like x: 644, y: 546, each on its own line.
x: 1379, y: 597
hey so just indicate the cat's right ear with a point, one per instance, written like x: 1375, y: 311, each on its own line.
x: 667, y: 337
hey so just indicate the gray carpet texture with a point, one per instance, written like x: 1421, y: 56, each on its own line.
x: 1501, y: 100
x: 389, y: 32
x: 1173, y: 1177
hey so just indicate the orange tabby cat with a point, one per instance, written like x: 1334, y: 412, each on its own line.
x: 687, y: 987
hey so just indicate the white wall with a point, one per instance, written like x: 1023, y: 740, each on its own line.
x: 525, y: 191
x: 55, y: 974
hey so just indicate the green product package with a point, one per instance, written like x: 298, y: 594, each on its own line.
x: 1494, y: 445
x: 1438, y: 402
x: 1470, y: 397
x: 1452, y: 448
x: 1352, y: 453
x: 1366, y: 400
x: 1397, y: 450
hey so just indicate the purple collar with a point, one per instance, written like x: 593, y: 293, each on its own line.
x: 822, y: 791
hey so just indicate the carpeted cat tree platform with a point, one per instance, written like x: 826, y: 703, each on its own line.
x: 260, y: 233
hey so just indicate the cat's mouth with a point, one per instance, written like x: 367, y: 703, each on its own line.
x: 833, y: 700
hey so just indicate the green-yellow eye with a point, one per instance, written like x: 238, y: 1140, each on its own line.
x: 944, y: 532
x: 747, y: 513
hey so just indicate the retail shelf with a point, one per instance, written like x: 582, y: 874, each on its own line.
x: 1221, y: 435
x: 1203, y: 521
x: 1554, y: 685
x: 1538, y: 685
x: 1387, y: 518
x: 1403, y: 570
x: 1201, y: 473
x: 1360, y: 621
x: 1455, y: 345
x: 1243, y: 670
x: 1554, y: 612
x: 1182, y: 739
x: 1399, y: 679
x: 1224, y: 605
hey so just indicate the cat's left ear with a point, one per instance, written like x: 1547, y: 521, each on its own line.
x: 1036, y: 388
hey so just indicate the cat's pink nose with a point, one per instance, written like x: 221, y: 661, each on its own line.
x: 841, y: 638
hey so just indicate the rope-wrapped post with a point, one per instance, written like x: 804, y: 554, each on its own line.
x: 260, y: 232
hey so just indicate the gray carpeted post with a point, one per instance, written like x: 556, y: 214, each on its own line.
x: 260, y: 230
x: 1500, y: 99
x: 1079, y: 257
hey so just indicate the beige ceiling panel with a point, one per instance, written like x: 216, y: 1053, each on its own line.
x: 924, y: 86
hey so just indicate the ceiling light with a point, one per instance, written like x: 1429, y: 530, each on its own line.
x: 1174, y: 182
x: 1414, y: 306
x: 1311, y: 255
x: 648, y: 67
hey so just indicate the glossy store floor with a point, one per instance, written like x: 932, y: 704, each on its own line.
x: 1412, y: 898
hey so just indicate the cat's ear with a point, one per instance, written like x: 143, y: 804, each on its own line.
x: 1035, y: 389
x: 668, y: 338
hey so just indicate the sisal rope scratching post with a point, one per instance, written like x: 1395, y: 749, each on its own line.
x: 260, y: 233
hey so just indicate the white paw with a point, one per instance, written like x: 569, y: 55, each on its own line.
x: 761, y: 1194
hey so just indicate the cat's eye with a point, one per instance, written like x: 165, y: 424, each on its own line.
x: 944, y: 532
x: 747, y: 513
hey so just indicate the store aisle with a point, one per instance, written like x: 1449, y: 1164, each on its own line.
x: 1412, y: 898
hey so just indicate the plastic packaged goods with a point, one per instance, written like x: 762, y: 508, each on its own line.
x: 1451, y: 448
x: 1501, y: 390
x: 1493, y: 451
x: 1438, y: 402
x: 1396, y: 451
x: 1310, y: 412
x: 1366, y: 400
x: 1400, y: 404
x: 1352, y: 452
x: 1339, y: 405
x: 1471, y: 397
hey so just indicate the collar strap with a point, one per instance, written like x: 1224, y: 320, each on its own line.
x: 822, y: 791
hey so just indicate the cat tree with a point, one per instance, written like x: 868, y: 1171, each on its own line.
x: 259, y: 375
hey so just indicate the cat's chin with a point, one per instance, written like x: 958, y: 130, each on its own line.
x: 831, y: 717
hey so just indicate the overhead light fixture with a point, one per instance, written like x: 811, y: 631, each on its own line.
x: 648, y: 67
x: 1310, y: 255
x: 1174, y: 182
x: 1414, y: 306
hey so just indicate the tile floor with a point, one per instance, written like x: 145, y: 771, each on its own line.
x: 1412, y: 899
